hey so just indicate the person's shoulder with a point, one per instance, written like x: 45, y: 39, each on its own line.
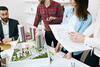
x: 10, y: 19
x: 13, y: 20
x: 56, y: 3
x: 40, y: 6
x: 89, y: 16
x: 68, y: 9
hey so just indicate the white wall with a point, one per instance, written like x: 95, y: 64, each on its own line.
x: 17, y: 10
x: 93, y: 7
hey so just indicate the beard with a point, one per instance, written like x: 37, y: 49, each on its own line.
x: 4, y: 19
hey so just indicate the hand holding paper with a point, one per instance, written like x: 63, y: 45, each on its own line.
x: 61, y: 33
x: 76, y: 37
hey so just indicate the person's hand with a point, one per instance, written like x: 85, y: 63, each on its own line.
x: 6, y: 40
x: 57, y: 49
x: 51, y: 18
x: 68, y: 55
x: 77, y: 37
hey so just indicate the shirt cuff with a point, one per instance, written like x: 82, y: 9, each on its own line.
x: 13, y: 39
x: 88, y: 41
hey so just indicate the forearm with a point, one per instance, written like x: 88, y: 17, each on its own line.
x: 37, y: 20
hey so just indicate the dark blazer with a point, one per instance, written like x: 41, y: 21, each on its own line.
x: 13, y: 29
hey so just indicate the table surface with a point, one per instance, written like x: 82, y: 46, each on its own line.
x: 58, y: 61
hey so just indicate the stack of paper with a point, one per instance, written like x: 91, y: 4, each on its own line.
x: 61, y: 33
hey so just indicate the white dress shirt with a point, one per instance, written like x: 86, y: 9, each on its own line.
x: 5, y: 29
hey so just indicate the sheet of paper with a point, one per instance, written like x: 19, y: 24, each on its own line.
x: 67, y: 63
x: 61, y: 34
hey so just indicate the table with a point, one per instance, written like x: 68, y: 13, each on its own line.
x: 57, y: 62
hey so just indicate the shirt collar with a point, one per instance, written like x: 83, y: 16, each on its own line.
x: 3, y: 21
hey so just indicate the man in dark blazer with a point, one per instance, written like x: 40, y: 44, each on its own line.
x: 8, y: 27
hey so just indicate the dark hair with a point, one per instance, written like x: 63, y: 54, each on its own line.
x: 82, y: 6
x: 3, y: 8
x: 42, y: 1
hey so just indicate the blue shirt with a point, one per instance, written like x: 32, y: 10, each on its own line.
x: 80, y: 26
